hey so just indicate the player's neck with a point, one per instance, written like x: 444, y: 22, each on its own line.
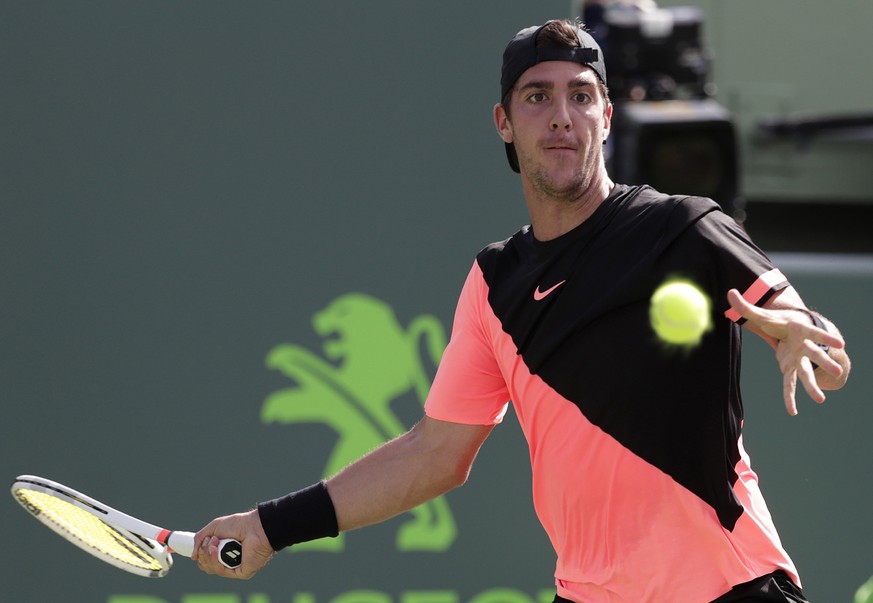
x: 552, y: 217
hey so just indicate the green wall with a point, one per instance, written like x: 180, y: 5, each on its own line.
x: 816, y: 469
x: 186, y: 186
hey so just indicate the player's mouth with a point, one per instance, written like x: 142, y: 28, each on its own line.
x: 560, y: 151
x: 561, y: 145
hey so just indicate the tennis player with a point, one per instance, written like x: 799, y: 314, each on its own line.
x: 640, y: 477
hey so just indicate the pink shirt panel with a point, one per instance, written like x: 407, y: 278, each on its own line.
x: 615, y: 520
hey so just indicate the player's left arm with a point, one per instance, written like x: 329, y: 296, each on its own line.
x: 816, y: 356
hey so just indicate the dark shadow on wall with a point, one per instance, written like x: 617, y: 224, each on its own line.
x: 811, y: 226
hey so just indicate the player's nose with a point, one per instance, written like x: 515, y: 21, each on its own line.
x: 560, y: 119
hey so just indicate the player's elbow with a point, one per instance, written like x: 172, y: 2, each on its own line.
x: 455, y: 473
x: 443, y: 453
x: 831, y: 382
x: 438, y: 480
x: 445, y: 470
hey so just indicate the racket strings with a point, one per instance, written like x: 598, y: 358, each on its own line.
x: 90, y: 530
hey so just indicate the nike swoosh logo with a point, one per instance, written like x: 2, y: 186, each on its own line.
x: 541, y: 295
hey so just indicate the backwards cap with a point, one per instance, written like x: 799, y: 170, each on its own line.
x: 522, y: 53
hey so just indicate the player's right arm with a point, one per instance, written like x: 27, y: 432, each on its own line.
x: 425, y: 462
x: 467, y: 399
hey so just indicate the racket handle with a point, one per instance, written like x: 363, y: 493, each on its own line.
x: 230, y: 553
x: 229, y: 550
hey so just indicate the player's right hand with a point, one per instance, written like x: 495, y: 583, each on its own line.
x: 244, y: 527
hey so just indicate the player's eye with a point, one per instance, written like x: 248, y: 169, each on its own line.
x: 536, y: 97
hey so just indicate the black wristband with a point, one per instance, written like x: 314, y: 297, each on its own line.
x: 307, y: 514
x: 818, y: 322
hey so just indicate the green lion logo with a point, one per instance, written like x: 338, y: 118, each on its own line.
x: 371, y: 360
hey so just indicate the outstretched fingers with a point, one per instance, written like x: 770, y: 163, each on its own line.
x: 797, y: 343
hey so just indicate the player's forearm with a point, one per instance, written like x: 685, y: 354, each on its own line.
x: 430, y: 459
x: 392, y: 479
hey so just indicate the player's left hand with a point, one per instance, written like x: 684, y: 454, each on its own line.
x: 247, y: 529
x: 796, y: 341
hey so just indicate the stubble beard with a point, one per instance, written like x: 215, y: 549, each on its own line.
x: 566, y: 190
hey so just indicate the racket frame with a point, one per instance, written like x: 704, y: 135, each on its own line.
x: 156, y: 541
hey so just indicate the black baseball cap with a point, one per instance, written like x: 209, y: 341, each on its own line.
x: 522, y: 53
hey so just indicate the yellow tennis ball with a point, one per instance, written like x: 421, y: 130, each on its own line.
x: 679, y: 313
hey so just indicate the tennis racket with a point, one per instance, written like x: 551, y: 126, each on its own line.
x: 110, y: 535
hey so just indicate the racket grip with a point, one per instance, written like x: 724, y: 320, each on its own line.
x: 230, y: 553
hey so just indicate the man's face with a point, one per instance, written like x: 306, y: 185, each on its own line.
x: 559, y: 120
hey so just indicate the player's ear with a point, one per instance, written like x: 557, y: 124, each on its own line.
x: 501, y: 122
x: 607, y: 122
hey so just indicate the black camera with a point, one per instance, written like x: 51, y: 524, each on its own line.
x: 667, y: 130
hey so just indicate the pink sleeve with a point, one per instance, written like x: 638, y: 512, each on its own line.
x: 761, y: 289
x: 469, y: 387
